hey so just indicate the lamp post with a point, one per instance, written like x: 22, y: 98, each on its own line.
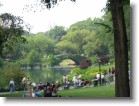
x: 99, y: 63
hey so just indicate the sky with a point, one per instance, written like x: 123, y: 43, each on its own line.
x: 64, y: 14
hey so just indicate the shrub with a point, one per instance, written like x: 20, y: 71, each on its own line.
x: 78, y: 71
x: 1, y: 62
x: 85, y: 64
x: 10, y: 70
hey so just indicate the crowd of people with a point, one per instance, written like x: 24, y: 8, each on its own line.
x: 77, y: 81
x: 31, y: 89
x: 102, y: 79
x: 42, y: 90
x: 39, y: 90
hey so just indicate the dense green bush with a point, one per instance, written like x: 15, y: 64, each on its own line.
x: 11, y: 70
x: 1, y: 62
x: 90, y: 72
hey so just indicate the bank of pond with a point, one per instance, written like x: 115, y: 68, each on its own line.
x: 46, y: 75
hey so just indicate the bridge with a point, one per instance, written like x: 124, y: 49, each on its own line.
x: 59, y: 58
x: 75, y: 57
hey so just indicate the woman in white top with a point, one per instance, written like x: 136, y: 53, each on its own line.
x: 12, y: 85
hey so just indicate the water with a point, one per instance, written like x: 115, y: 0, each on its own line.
x: 47, y: 74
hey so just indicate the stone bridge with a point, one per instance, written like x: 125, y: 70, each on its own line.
x: 75, y: 57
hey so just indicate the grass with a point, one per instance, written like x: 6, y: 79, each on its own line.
x: 19, y: 94
x: 96, y: 92
x: 93, y: 92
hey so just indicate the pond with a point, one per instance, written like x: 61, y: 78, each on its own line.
x: 47, y: 74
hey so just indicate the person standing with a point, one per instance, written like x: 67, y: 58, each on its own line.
x: 98, y: 78
x: 24, y: 83
x: 28, y: 84
x: 75, y: 81
x: 64, y: 80
x: 12, y: 85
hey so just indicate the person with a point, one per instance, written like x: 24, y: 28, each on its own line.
x: 40, y: 86
x: 80, y: 82
x: 113, y: 70
x: 103, y: 79
x: 109, y: 72
x: 12, y: 85
x: 87, y: 82
x: 64, y: 80
x: 58, y: 84
x: 113, y: 73
x: 48, y: 90
x: 54, y: 91
x: 28, y: 84
x: 67, y: 84
x: 24, y: 83
x: 98, y: 76
x: 38, y: 94
x: 75, y: 81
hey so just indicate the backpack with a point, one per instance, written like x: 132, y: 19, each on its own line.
x: 11, y: 85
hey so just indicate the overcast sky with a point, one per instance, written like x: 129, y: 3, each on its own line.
x: 64, y: 14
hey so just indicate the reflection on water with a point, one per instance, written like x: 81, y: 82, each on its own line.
x: 47, y: 74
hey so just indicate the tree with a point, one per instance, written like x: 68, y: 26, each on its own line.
x: 121, y: 49
x: 56, y: 33
x: 41, y: 45
x: 11, y: 31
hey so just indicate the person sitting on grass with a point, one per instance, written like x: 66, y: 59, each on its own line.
x: 38, y: 93
x: 47, y: 90
x: 58, y: 84
x: 40, y: 86
x: 54, y: 91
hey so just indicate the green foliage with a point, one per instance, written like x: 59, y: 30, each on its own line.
x: 78, y: 71
x: 90, y: 37
x: 52, y: 60
x: 66, y: 47
x: 87, y: 38
x: 32, y: 57
x: 1, y: 62
x: 38, y: 46
x: 56, y: 33
x: 11, y: 34
x: 10, y: 70
x: 90, y: 72
x: 94, y: 59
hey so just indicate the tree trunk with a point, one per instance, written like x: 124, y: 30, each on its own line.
x: 122, y: 88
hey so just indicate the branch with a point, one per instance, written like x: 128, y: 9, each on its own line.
x: 106, y: 26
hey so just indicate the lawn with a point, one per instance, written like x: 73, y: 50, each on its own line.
x: 95, y: 92
x: 92, y: 92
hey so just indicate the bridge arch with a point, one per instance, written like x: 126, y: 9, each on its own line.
x: 75, y: 57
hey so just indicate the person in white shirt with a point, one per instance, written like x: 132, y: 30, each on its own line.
x: 12, y: 85
x: 103, y: 79
x: 75, y: 81
x: 98, y: 76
